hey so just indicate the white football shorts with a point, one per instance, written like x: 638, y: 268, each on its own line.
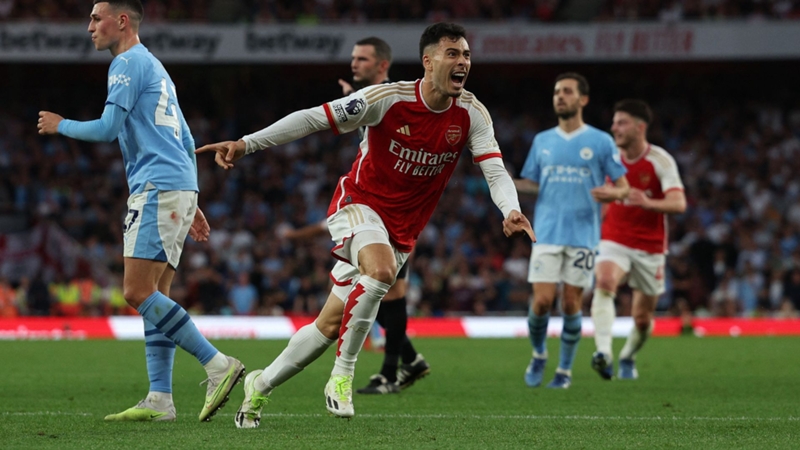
x: 645, y: 271
x: 344, y: 225
x: 157, y: 224
x: 562, y: 263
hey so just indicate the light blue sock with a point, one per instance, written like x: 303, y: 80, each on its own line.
x: 160, y: 354
x: 175, y: 323
x: 570, y: 336
x: 537, y: 330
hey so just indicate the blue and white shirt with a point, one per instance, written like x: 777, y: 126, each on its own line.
x: 155, y: 139
x: 567, y: 167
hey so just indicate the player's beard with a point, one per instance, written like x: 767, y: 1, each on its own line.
x: 357, y: 85
x: 568, y: 113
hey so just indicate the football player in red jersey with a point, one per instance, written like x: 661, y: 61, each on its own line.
x: 633, y: 241
x: 415, y: 133
x: 371, y: 59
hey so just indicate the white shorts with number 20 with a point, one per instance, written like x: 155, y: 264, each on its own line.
x: 561, y: 263
x: 157, y: 224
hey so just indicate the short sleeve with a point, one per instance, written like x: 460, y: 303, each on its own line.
x: 668, y: 174
x: 612, y: 163
x: 530, y: 169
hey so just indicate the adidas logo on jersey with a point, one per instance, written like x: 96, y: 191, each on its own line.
x: 404, y: 130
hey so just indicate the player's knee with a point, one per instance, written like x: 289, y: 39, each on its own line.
x: 135, y: 295
x: 384, y: 273
x: 542, y: 305
x: 605, y: 282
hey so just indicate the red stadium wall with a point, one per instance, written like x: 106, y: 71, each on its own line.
x: 222, y: 327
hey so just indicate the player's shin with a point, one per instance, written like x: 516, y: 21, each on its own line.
x: 636, y: 340
x: 159, y: 355
x: 395, y: 323
x: 537, y: 331
x: 360, y: 311
x: 174, y: 322
x: 570, y: 336
x: 603, y: 315
x: 304, y: 347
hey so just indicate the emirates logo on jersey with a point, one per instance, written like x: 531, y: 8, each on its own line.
x: 453, y: 134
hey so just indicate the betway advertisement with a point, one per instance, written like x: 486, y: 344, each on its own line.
x: 506, y: 43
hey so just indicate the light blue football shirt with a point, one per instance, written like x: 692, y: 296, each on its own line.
x: 153, y: 136
x: 567, y: 167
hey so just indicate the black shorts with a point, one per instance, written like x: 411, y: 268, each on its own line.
x: 403, y: 272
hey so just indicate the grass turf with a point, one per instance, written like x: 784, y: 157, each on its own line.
x: 692, y: 393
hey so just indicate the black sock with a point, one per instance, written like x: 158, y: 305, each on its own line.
x: 394, y: 323
x: 408, y: 352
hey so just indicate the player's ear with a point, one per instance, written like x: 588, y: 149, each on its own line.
x: 427, y: 62
x: 584, y: 100
x: 124, y: 21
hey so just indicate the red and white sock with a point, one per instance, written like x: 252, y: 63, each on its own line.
x: 360, y: 310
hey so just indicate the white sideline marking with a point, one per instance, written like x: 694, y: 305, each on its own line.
x: 44, y: 413
x: 471, y: 416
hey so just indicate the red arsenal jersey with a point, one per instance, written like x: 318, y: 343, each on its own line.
x: 655, y: 173
x: 408, y: 152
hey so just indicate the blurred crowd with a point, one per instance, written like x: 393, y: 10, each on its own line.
x: 311, y: 12
x: 735, y: 252
x: 693, y: 10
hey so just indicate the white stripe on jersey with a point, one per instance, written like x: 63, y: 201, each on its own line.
x: 665, y: 167
x: 339, y: 202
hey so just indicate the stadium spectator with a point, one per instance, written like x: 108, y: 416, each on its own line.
x: 243, y: 296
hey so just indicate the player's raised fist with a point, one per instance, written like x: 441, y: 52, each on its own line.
x: 226, y: 152
x: 48, y: 122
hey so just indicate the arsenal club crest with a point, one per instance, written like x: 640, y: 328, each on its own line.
x: 453, y: 134
x: 644, y: 179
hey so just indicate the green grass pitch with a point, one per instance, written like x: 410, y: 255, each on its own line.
x: 692, y: 393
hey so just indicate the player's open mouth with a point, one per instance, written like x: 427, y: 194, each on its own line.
x: 458, y: 79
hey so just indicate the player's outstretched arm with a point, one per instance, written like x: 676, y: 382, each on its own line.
x: 104, y: 129
x: 225, y: 152
x: 292, y: 127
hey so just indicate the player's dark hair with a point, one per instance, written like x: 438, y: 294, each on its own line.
x: 134, y: 6
x: 382, y: 50
x: 583, y: 84
x: 434, y: 33
x: 636, y: 108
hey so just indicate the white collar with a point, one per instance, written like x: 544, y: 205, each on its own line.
x: 575, y: 132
